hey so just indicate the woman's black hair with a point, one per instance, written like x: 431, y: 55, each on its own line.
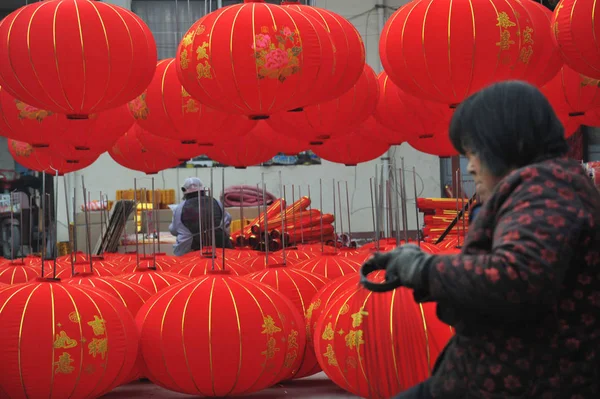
x: 508, y: 125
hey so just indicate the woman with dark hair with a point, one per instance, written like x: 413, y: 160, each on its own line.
x: 524, y: 293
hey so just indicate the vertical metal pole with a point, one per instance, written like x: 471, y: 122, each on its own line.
x: 71, y: 232
x: 348, y: 211
x: 341, y: 212
x: 154, y: 224
x: 309, y: 209
x: 404, y: 209
x: 334, y: 218
x: 321, y: 215
x: 135, y: 222
x: 43, y: 221
x: 87, y: 224
x: 242, y: 220
x: 301, y: 227
x: 456, y: 194
x: 373, y: 213
x: 294, y: 214
x: 416, y: 206
x: 12, y: 217
x: 212, y: 216
x: 282, y: 211
x: 223, y: 215
x: 265, y: 219
x: 55, y: 224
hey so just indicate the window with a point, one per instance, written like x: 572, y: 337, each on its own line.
x: 593, y: 144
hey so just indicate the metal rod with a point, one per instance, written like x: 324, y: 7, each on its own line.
x: 373, y: 211
x: 21, y: 247
x: 348, y: 211
x: 200, y: 222
x: 154, y: 226
x: 242, y: 220
x: 301, y: 229
x: 265, y: 218
x: 156, y: 218
x: 309, y: 208
x: 404, y: 207
x: 416, y: 205
x: 283, y: 230
x: 101, y: 217
x: 398, y: 212
x: 294, y: 213
x: 55, y: 199
x: 212, y: 217
x: 464, y: 223
x: 334, y: 218
x: 403, y: 202
x: 223, y: 216
x: 12, y: 217
x: 31, y: 222
x: 341, y: 212
x: 43, y: 220
x: 70, y: 232
x: 456, y: 194
x: 321, y: 213
x: 74, y: 250
x: 135, y: 222
x: 390, y: 210
x: 282, y: 209
x: 87, y: 223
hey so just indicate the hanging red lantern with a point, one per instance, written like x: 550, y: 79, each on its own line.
x: 575, y: 27
x: 330, y: 119
x: 63, y: 340
x: 51, y: 163
x: 171, y: 148
x: 437, y: 144
x: 279, y: 141
x: 166, y: 109
x: 371, y: 129
x: 256, y: 59
x: 100, y: 131
x: 96, y: 268
x: 409, y: 115
x: 330, y: 265
x: 158, y: 264
x: 154, y: 281
x: 348, y: 44
x: 244, y: 151
x: 17, y: 272
x: 129, y: 152
x: 466, y: 47
x: 20, y: 121
x: 571, y: 93
x: 66, y: 151
x: 351, y: 150
x: 201, y: 266
x: 77, y: 61
x: 550, y: 60
x: 248, y: 328
x: 354, y: 348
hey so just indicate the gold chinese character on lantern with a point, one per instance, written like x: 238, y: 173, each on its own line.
x: 204, y: 71
x: 269, y: 326
x: 328, y: 332
x: 190, y: 106
x: 188, y: 39
x: 184, y: 59
x: 201, y: 51
x: 98, y: 325
x: 293, y: 339
x: 505, y: 41
x: 269, y: 353
x: 330, y: 355
x: 200, y: 29
x: 98, y: 347
x: 63, y: 364
x: 525, y: 54
x: 585, y: 81
x: 504, y: 21
x: 74, y: 317
x: 344, y: 309
x: 528, y: 35
x: 63, y: 341
x: 354, y: 339
x: 357, y: 318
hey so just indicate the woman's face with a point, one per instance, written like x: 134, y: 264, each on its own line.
x: 485, y: 182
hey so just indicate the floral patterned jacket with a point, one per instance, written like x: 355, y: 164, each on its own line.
x: 524, y: 294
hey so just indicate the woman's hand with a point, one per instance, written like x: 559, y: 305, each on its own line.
x: 406, y: 264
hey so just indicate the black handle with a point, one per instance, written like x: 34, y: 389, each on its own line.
x: 387, y: 286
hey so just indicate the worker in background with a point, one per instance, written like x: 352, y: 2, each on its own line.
x: 186, y: 222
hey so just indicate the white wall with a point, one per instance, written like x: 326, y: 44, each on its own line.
x: 107, y: 176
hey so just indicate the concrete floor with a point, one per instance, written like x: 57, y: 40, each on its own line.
x: 317, y: 386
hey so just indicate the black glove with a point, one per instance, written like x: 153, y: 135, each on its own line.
x: 409, y: 265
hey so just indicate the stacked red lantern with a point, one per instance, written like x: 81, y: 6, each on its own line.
x: 44, y: 161
x: 572, y: 93
x: 166, y: 109
x: 128, y: 151
x: 575, y: 27
x: 256, y: 59
x: 77, y: 61
x: 465, y: 47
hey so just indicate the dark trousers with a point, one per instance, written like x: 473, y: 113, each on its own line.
x: 420, y: 391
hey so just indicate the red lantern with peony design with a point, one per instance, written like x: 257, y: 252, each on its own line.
x: 378, y: 357
x: 166, y: 109
x: 406, y: 114
x: 437, y: 144
x: 575, y: 27
x: 129, y: 152
x: 100, y: 131
x: 351, y: 150
x: 251, y: 336
x: 332, y: 118
x: 349, y: 48
x: 245, y: 151
x: 330, y: 265
x: 82, y: 56
x: 25, y: 155
x: 444, y: 50
x: 20, y: 121
x: 571, y: 93
x: 300, y: 287
x: 256, y: 59
x: 154, y: 281
x: 63, y: 340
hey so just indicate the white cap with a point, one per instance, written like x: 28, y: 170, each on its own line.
x: 192, y: 185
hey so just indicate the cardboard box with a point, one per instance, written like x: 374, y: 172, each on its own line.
x: 249, y: 212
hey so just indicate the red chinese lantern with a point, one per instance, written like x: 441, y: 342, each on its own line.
x: 348, y: 44
x: 171, y: 148
x: 256, y: 59
x: 406, y: 114
x: 330, y: 119
x: 279, y: 141
x: 197, y: 267
x: 252, y: 336
x: 17, y: 272
x: 44, y: 161
x: 64, y: 150
x: 351, y: 150
x: 330, y: 265
x: 300, y: 287
x: 575, y: 27
x: 261, y: 260
x: 437, y: 144
x: 244, y: 151
x: 20, y: 121
x: 371, y: 129
x: 129, y: 152
x: 158, y: 264
x: 571, y: 93
x: 82, y: 56
x: 355, y: 348
x: 466, y: 47
x: 63, y: 340
x: 154, y: 281
x: 100, y: 131
x: 97, y: 268
x: 166, y: 109
x: 132, y: 295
